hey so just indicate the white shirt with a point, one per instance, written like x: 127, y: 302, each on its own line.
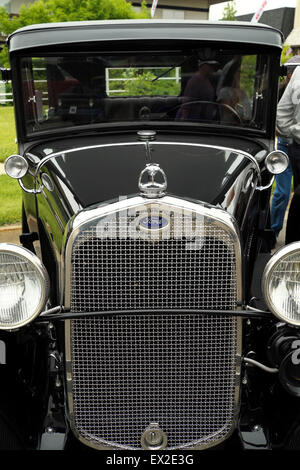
x: 288, y: 109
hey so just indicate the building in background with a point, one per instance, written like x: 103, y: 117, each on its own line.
x: 166, y: 9
x: 180, y: 9
x: 13, y: 6
x: 294, y: 37
x: 286, y: 20
x: 281, y: 18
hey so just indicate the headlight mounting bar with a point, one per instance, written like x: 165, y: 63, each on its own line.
x: 61, y: 313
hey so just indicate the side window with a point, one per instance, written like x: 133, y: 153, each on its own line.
x: 39, y: 73
x: 248, y: 72
x: 35, y: 90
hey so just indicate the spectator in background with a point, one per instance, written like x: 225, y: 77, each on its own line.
x: 228, y: 98
x: 230, y: 77
x: 200, y: 94
x: 288, y: 129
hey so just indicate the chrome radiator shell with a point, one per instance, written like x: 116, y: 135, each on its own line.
x: 212, y: 381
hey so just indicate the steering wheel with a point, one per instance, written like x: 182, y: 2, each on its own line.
x: 192, y: 102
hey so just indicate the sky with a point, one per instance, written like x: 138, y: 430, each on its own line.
x: 243, y: 7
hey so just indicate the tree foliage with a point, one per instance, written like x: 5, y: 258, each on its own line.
x: 145, y: 84
x: 286, y: 53
x: 229, y: 12
x: 52, y: 11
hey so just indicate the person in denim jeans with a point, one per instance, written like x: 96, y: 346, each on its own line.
x: 282, y: 191
x: 286, y: 118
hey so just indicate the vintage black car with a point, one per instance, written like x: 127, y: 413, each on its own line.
x: 144, y: 309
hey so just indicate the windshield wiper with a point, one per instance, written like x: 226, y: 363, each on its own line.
x: 169, y: 70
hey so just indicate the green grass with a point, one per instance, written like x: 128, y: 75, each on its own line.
x: 11, y: 201
x: 10, y: 192
x: 7, y: 132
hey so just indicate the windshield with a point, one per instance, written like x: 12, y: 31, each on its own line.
x: 210, y: 86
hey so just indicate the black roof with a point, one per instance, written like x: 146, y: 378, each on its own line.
x: 53, y: 34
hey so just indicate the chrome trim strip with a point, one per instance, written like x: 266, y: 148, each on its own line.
x: 216, y: 147
x: 103, y: 210
x: 220, y: 217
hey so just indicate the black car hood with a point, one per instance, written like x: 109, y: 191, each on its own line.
x: 107, y: 171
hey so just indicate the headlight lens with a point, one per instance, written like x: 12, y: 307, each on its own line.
x: 281, y: 283
x: 16, y: 166
x: 277, y: 162
x: 24, y: 286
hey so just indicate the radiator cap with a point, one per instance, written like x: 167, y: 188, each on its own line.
x: 146, y: 135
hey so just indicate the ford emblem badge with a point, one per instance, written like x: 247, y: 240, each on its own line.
x: 153, y: 222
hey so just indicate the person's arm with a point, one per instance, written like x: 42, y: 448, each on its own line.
x: 285, y: 112
x: 286, y: 123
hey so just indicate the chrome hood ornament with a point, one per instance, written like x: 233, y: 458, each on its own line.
x: 152, y: 181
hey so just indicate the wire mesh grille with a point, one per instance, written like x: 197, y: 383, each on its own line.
x: 142, y: 273
x: 177, y: 370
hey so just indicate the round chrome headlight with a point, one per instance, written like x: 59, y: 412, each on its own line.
x: 24, y: 286
x: 16, y: 166
x: 277, y: 162
x: 281, y: 283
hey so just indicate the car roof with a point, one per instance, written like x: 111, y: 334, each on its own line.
x: 53, y: 34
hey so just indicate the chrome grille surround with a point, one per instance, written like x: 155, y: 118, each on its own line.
x: 128, y: 370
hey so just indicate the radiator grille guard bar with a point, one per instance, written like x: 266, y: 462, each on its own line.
x: 177, y: 370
